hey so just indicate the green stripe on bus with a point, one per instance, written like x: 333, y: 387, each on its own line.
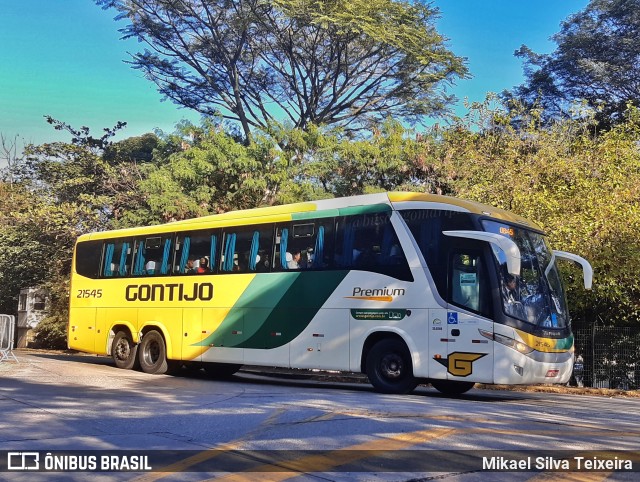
x: 349, y: 211
x: 372, y: 209
x: 274, y: 309
x: 326, y: 213
x: 254, y: 306
x: 295, y: 309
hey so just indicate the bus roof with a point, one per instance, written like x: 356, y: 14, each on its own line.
x: 366, y: 203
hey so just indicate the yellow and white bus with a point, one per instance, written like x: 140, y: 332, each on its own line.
x: 406, y: 287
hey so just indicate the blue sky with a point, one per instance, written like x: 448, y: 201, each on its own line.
x: 64, y: 58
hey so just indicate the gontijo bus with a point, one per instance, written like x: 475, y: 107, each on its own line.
x: 405, y: 287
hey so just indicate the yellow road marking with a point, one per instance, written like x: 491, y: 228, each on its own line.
x: 184, y: 464
x: 214, y: 452
x: 335, y: 458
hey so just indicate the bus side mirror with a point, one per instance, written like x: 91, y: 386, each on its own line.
x: 587, y: 270
x: 510, y: 249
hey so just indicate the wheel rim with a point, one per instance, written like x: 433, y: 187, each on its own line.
x: 123, y: 350
x: 152, y: 353
x: 392, y: 366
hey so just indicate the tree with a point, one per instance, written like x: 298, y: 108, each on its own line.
x: 323, y: 163
x: 211, y: 173
x: 9, y: 154
x: 582, y: 189
x: 334, y: 62
x: 57, y: 192
x: 93, y: 171
x: 597, y: 60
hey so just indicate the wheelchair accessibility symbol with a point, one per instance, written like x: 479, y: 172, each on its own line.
x: 452, y: 318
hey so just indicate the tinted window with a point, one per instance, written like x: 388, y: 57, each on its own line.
x: 153, y: 256
x: 469, y: 284
x: 369, y: 243
x: 247, y: 249
x: 117, y: 258
x: 304, y: 245
x: 88, y: 256
x: 426, y: 226
x: 196, y: 252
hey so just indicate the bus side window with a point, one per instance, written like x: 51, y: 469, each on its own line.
x: 469, y: 282
x: 117, y: 258
x: 152, y: 256
x: 196, y: 252
x: 247, y: 249
x: 262, y: 248
x: 303, y: 245
x: 281, y: 260
x: 369, y: 243
x: 88, y: 257
x: 139, y: 256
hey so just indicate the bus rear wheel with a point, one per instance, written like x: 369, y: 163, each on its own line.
x: 452, y: 387
x: 153, y: 354
x: 124, y: 351
x: 389, y: 367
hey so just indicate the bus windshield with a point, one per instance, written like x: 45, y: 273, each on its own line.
x: 536, y: 295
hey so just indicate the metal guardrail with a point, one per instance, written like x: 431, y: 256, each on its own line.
x: 7, y: 327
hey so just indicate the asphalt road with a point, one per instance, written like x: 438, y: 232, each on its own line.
x: 275, y: 428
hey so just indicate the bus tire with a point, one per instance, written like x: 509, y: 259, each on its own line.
x: 124, y: 351
x: 220, y: 370
x: 153, y: 354
x: 389, y: 367
x: 452, y: 387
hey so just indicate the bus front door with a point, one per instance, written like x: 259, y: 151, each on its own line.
x: 469, y: 354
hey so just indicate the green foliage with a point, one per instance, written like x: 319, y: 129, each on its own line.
x: 132, y: 150
x: 58, y: 192
x: 212, y: 172
x: 596, y: 61
x: 51, y: 333
x: 582, y: 189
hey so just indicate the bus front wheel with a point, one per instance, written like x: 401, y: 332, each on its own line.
x: 389, y: 367
x: 124, y: 351
x: 153, y: 354
x: 452, y: 387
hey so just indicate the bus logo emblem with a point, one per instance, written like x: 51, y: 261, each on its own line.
x: 460, y: 364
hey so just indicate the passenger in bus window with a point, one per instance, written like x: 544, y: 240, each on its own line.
x: 203, y: 266
x: 190, y: 268
x: 513, y: 305
x: 306, y: 258
x: 262, y: 262
x: 509, y: 288
x: 293, y: 260
x: 238, y: 266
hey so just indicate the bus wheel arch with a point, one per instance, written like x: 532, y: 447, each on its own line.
x: 152, y: 352
x: 386, y: 359
x: 124, y: 350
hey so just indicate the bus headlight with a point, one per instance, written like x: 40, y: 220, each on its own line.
x: 506, y: 341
